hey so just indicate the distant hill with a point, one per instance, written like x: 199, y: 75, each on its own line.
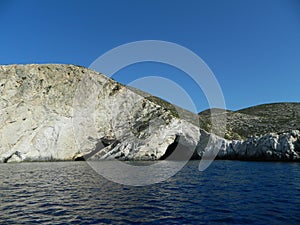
x: 256, y: 120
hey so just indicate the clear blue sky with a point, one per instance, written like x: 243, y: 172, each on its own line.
x: 252, y: 46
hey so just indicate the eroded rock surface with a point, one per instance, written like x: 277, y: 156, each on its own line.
x: 66, y: 112
x: 269, y: 147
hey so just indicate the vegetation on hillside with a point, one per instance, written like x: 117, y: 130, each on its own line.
x: 256, y: 120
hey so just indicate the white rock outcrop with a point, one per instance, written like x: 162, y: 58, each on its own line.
x: 269, y: 147
x: 66, y: 112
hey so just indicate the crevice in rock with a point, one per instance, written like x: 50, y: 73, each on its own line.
x: 9, y: 157
x: 102, y: 143
x: 171, y: 148
x: 106, y: 141
x: 79, y: 158
x: 297, y: 146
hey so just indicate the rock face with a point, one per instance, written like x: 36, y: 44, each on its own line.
x: 269, y: 147
x: 65, y: 112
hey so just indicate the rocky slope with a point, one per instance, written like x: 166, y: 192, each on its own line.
x: 66, y: 112
x: 257, y: 120
x: 263, y: 132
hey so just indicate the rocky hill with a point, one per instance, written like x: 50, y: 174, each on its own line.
x: 263, y: 132
x: 66, y: 112
x: 257, y: 120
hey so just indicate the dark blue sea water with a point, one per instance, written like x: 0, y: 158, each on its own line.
x: 228, y: 192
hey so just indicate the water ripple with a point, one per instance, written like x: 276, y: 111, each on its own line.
x: 228, y: 192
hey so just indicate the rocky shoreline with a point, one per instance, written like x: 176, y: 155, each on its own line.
x: 269, y: 147
x: 64, y: 112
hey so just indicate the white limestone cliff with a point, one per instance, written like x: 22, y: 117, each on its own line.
x: 66, y: 112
